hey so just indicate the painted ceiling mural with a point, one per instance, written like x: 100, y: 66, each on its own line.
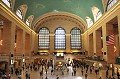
x: 81, y: 8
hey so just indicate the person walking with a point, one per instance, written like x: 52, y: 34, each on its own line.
x: 82, y: 71
x: 86, y: 76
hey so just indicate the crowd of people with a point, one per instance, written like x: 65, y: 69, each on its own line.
x: 43, y: 67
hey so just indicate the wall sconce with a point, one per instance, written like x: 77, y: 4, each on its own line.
x: 15, y: 45
x: 23, y: 60
x: 1, y: 42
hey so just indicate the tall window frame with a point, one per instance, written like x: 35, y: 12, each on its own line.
x: 110, y: 4
x: 99, y: 14
x: 44, y: 39
x: 19, y: 14
x: 75, y: 38
x: 60, y: 39
x: 7, y: 2
x: 89, y: 21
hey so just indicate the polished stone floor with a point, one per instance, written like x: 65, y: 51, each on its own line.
x: 36, y: 75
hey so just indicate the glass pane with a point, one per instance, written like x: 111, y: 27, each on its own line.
x: 110, y: 4
x: 19, y: 13
x: 7, y: 2
x: 75, y: 38
x: 60, y: 42
x: 44, y: 38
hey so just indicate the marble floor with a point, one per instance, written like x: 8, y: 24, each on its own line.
x: 36, y: 75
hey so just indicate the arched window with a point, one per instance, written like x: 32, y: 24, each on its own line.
x: 75, y: 38
x: 99, y: 14
x: 7, y: 2
x: 28, y: 22
x: 19, y: 13
x: 96, y: 13
x: 60, y: 38
x: 89, y: 21
x: 44, y: 40
x: 110, y: 4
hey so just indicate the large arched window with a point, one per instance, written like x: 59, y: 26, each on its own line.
x: 96, y: 13
x: 7, y: 2
x: 75, y: 38
x: 44, y: 41
x: 99, y: 14
x: 60, y: 38
x: 89, y: 21
x: 110, y: 4
x: 19, y: 13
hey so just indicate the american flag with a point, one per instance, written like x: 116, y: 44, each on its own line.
x: 110, y: 39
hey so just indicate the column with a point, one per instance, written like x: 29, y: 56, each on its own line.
x: 27, y: 45
x: 20, y: 46
x: 110, y: 48
x: 36, y: 43
x: 20, y: 42
x: 68, y: 46
x: 98, y: 43
x: 119, y: 32
x: 0, y: 40
x: 8, y: 38
x: 104, y: 42
x: 91, y: 45
x: 52, y: 43
x: 94, y: 42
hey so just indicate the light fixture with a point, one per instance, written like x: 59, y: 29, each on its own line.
x: 23, y: 60
x: 1, y: 42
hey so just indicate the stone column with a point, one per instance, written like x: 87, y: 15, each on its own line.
x: 20, y: 45
x: 20, y: 42
x: 119, y: 32
x: 68, y: 46
x: 51, y: 43
x: 98, y: 43
x: 0, y: 40
x: 36, y: 43
x: 8, y: 38
x: 110, y: 48
x: 94, y: 42
x: 91, y: 52
x: 27, y: 45
x: 104, y: 42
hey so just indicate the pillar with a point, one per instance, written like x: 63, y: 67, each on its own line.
x: 110, y: 48
x: 68, y: 46
x: 0, y: 39
x: 8, y: 38
x: 98, y: 43
x: 36, y: 43
x: 20, y: 42
x: 27, y: 45
x: 119, y: 32
x: 104, y: 42
x: 91, y: 45
x: 94, y: 42
x: 20, y: 46
x: 51, y: 43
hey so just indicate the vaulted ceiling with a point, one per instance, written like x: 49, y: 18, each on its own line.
x: 81, y: 8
